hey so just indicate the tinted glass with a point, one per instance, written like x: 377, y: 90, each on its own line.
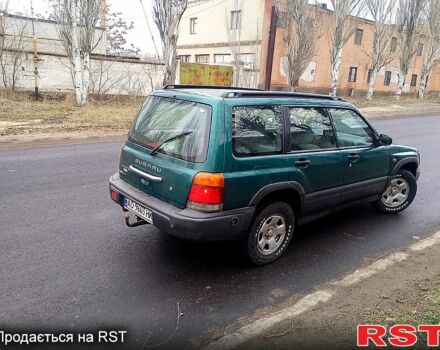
x: 310, y: 128
x: 256, y: 130
x: 351, y: 129
x: 162, y: 118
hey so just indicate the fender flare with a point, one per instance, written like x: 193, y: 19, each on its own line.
x: 404, y: 161
x: 268, y: 189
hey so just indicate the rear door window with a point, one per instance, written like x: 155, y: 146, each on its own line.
x: 163, y: 118
x: 257, y: 130
x: 310, y: 129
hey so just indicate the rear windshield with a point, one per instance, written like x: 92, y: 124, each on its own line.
x: 163, y: 118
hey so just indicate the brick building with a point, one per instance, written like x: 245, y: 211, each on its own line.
x: 354, y: 72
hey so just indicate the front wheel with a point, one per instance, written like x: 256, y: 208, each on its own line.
x: 270, y: 233
x: 399, y: 194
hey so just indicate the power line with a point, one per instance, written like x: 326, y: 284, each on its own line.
x: 149, y: 29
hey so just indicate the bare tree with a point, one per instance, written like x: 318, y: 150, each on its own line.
x: 342, y: 27
x: 117, y: 30
x: 167, y: 15
x: 4, y: 5
x: 233, y: 32
x: 409, y: 15
x: 12, y: 50
x: 244, y: 51
x: 77, y: 28
x: 432, y: 15
x: 384, y: 30
x: 103, y: 77
x: 300, y: 35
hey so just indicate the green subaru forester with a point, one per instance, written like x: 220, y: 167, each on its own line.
x: 212, y: 163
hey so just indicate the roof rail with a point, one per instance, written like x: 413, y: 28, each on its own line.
x: 188, y: 86
x: 274, y: 94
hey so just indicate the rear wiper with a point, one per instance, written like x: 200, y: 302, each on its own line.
x: 155, y: 149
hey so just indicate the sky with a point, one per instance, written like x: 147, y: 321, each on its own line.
x: 131, y: 11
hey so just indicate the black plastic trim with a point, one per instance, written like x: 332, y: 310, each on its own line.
x: 305, y: 219
x: 268, y: 189
x: 404, y: 161
x: 187, y: 223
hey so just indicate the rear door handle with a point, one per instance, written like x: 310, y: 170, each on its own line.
x: 302, y: 163
x: 353, y: 157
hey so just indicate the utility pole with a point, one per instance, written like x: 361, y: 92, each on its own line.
x: 36, y: 58
x: 270, y: 48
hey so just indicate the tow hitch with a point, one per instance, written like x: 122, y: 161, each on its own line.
x: 138, y: 222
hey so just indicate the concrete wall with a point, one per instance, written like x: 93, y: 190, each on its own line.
x: 110, y: 75
x: 46, y: 32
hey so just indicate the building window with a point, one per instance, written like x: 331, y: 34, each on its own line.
x: 359, y: 33
x: 247, y: 60
x: 192, y: 25
x: 419, y: 49
x: 184, y: 58
x: 202, y: 58
x: 393, y: 44
x: 369, y: 76
x: 222, y: 58
x: 352, y: 74
x: 414, y: 80
x: 387, y: 79
x: 236, y: 19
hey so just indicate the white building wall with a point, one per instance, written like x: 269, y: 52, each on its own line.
x: 213, y: 21
x: 213, y: 34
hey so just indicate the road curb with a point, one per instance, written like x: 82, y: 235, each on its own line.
x: 259, y: 327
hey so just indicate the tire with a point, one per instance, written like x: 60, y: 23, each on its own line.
x: 261, y: 245
x: 403, y: 183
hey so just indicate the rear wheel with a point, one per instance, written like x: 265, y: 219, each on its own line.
x: 399, y: 194
x: 270, y: 234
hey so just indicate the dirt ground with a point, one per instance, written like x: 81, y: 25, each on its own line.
x: 30, y: 121
x: 407, y: 292
x: 23, y: 120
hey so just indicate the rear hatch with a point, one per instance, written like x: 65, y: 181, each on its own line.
x: 166, y: 146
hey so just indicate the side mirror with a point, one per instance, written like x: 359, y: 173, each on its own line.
x: 384, y: 140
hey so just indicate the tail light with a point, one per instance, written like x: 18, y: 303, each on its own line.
x: 114, y: 195
x: 206, y: 193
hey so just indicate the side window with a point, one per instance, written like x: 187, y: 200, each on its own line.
x: 351, y: 129
x: 256, y: 130
x: 310, y: 128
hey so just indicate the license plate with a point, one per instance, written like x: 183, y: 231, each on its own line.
x: 140, y: 210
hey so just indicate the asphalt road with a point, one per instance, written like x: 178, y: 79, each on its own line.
x: 69, y: 263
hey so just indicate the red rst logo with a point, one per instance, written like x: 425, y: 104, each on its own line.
x: 401, y: 335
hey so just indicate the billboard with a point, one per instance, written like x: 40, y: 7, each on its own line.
x: 205, y: 74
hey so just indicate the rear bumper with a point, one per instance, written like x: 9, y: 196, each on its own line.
x: 188, y: 223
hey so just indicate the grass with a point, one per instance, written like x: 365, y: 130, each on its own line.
x: 389, y: 100
x: 423, y: 310
x: 21, y: 115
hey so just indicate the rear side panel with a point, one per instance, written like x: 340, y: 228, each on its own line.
x: 176, y: 174
x: 245, y: 175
